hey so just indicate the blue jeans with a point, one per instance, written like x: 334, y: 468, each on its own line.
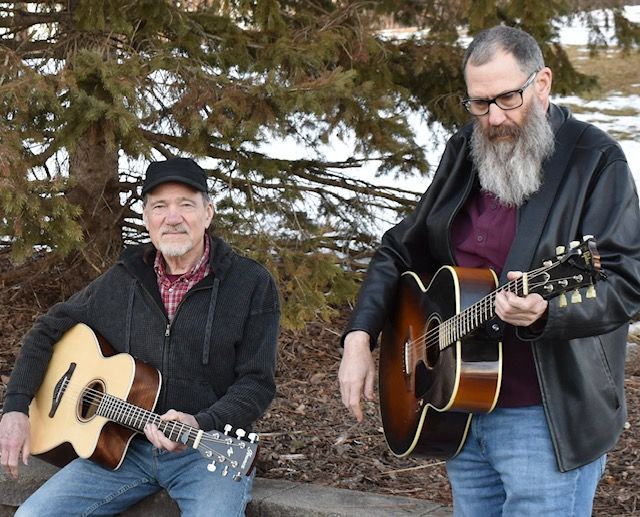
x: 85, y: 488
x: 508, y: 467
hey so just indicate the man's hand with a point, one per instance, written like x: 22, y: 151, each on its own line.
x: 15, y: 431
x: 357, y: 372
x: 159, y: 440
x: 517, y: 310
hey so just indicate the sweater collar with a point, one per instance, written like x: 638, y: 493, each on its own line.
x: 139, y: 260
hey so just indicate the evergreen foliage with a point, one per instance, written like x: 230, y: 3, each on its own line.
x: 90, y: 90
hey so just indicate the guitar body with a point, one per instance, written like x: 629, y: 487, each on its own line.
x: 429, y: 386
x: 63, y: 424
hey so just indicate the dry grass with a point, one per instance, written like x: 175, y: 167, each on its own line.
x: 617, y: 73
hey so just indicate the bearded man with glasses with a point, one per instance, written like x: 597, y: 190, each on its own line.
x: 522, y: 178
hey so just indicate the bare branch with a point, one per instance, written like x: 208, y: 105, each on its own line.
x: 23, y: 19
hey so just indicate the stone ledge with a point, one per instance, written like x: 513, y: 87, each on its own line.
x: 271, y: 498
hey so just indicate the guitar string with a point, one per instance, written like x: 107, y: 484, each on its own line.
x: 96, y: 397
x: 461, y: 324
x: 447, y: 328
x: 432, y: 338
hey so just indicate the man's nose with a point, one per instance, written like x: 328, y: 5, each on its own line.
x: 496, y: 115
x: 173, y: 216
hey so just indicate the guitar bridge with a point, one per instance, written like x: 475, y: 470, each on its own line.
x: 406, y: 356
x: 60, y: 388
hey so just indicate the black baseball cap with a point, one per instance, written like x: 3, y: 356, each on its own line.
x: 181, y: 170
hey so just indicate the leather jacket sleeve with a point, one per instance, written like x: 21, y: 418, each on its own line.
x: 598, y: 198
x: 407, y: 246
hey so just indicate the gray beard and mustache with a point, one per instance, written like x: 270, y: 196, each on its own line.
x: 512, y: 169
x: 174, y: 249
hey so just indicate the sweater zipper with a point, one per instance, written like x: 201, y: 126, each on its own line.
x: 167, y: 332
x: 167, y: 340
x: 165, y: 357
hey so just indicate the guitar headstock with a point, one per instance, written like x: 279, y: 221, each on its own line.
x: 234, y: 455
x: 572, y: 269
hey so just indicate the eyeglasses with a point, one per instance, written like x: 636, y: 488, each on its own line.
x: 505, y: 101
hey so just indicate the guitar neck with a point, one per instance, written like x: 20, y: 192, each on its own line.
x: 478, y: 314
x: 136, y: 418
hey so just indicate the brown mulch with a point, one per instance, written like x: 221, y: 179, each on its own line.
x: 308, y: 436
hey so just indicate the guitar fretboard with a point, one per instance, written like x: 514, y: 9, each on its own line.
x: 136, y: 418
x: 476, y: 315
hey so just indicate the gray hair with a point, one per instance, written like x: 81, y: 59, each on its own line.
x: 520, y: 44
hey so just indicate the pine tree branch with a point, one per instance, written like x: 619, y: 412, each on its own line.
x: 34, y: 49
x: 362, y: 187
x: 314, y: 171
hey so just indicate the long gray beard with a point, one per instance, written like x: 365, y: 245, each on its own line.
x: 512, y: 169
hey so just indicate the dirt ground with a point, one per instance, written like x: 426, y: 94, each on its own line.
x: 307, y: 435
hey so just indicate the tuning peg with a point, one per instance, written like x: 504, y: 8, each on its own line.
x: 559, y: 250
x: 227, y: 428
x: 237, y: 476
x: 241, y: 433
x: 586, y: 238
x: 576, y: 297
x: 253, y: 437
x: 562, y: 300
x: 211, y: 467
x: 574, y: 244
x: 225, y: 471
x: 591, y: 292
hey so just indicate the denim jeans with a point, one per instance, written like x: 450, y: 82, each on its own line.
x: 85, y: 488
x: 507, y: 467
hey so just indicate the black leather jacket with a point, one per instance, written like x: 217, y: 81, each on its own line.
x: 580, y: 353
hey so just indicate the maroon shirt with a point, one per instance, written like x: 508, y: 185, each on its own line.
x: 482, y: 234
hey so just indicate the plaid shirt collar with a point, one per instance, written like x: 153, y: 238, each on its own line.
x: 172, y: 289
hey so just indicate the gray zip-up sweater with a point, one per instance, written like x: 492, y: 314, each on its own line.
x: 217, y: 357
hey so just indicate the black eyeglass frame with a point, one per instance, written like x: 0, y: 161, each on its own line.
x: 496, y: 100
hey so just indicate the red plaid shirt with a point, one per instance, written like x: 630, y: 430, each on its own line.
x: 174, y: 287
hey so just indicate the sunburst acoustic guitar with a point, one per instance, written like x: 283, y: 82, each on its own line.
x: 438, y: 364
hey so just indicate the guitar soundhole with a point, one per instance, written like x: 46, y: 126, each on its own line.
x: 432, y: 349
x: 423, y: 375
x: 89, y: 401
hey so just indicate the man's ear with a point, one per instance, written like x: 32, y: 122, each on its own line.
x: 543, y: 83
x: 211, y: 211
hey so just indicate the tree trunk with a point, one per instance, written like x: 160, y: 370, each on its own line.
x: 93, y: 167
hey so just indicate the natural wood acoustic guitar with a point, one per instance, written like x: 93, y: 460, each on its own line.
x: 92, y: 402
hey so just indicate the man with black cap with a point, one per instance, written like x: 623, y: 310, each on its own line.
x: 204, y: 316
